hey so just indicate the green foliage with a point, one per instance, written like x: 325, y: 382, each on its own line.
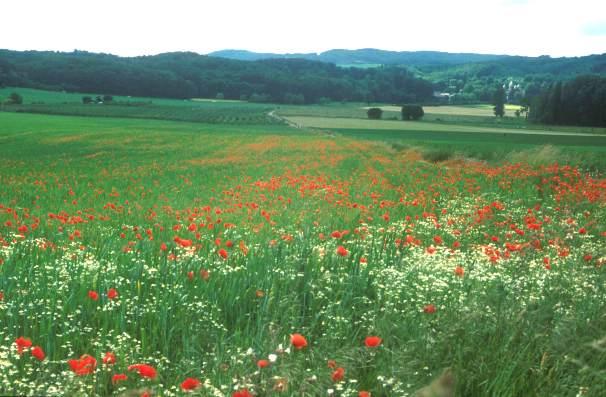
x: 189, y: 75
x: 259, y: 98
x: 14, y: 99
x: 581, y: 101
x: 294, y: 99
x: 498, y: 100
x: 522, y: 76
x: 412, y: 112
x: 374, y: 113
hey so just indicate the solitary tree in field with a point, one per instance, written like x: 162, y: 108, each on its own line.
x: 412, y: 112
x: 14, y: 99
x: 498, y: 100
x: 374, y: 113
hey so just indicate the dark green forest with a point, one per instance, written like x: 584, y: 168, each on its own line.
x: 467, y: 78
x: 189, y: 75
x: 523, y: 77
x: 581, y: 101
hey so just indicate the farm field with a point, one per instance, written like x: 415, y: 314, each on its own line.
x: 468, y: 115
x: 366, y: 124
x: 196, y: 111
x: 467, y: 110
x: 221, y: 257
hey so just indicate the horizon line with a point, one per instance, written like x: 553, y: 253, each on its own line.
x: 317, y: 53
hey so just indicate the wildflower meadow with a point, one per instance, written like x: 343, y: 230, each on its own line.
x: 158, y: 258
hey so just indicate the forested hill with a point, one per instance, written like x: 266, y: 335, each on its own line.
x: 467, y: 78
x: 432, y: 61
x: 367, y: 56
x: 188, y: 75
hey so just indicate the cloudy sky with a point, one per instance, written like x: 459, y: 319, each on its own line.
x: 141, y: 27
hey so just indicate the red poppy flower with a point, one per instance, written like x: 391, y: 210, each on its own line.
x: 84, y: 365
x: 38, y: 353
x: 332, y: 364
x: 118, y: 378
x: 93, y: 295
x: 222, y: 253
x: 372, y: 341
x: 263, y: 363
x: 242, y: 393
x: 146, y: 371
x: 22, y: 343
x: 112, y: 293
x: 364, y: 394
x: 190, y: 384
x: 459, y: 271
x: 338, y: 374
x: 163, y: 247
x: 429, y: 309
x: 336, y: 234
x: 109, y: 358
x: 342, y: 251
x: 184, y: 243
x: 298, y: 341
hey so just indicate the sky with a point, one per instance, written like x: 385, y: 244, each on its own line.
x: 146, y: 27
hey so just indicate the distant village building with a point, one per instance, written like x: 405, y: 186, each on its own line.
x: 443, y: 96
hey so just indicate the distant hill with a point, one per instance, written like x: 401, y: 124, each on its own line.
x: 367, y: 56
x: 461, y: 78
x: 190, y: 75
x: 244, y: 55
x: 398, y: 77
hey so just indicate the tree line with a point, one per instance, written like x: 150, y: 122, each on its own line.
x: 189, y: 75
x: 581, y: 101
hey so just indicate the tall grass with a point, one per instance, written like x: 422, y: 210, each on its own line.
x: 93, y: 191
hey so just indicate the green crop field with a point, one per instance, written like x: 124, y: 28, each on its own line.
x: 231, y: 254
x: 211, y: 111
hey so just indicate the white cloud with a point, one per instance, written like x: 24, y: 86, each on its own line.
x: 525, y: 27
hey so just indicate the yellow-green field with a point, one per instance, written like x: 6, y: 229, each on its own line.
x: 365, y: 124
x: 450, y: 110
